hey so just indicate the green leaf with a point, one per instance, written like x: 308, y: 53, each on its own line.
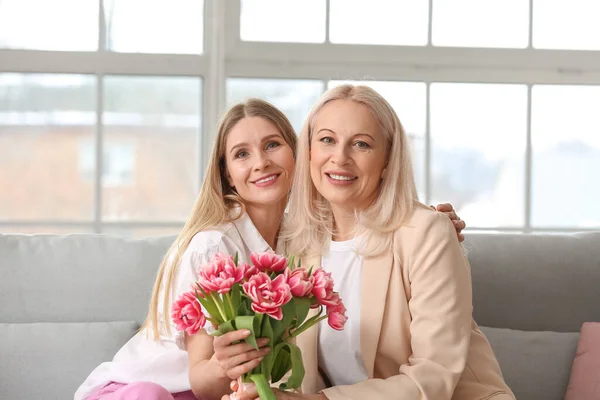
x: 235, y: 259
x: 281, y: 364
x: 244, y: 309
x: 266, y: 331
x: 224, y: 328
x: 291, y: 262
x: 252, y: 324
x: 236, y: 296
x: 262, y: 385
x: 297, y: 376
x: 289, y: 313
x: 209, y: 306
x: 302, y: 308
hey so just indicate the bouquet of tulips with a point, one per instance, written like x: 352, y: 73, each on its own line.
x: 269, y: 297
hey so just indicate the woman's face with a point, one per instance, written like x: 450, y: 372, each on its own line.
x: 347, y: 156
x: 260, y: 164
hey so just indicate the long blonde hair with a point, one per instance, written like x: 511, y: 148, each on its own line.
x: 310, y: 220
x: 214, y: 205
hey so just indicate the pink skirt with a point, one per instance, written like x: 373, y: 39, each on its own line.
x: 138, y: 391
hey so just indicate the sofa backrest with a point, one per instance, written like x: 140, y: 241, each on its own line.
x: 537, y: 282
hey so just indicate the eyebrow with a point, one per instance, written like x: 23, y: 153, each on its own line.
x: 244, y: 144
x: 356, y: 134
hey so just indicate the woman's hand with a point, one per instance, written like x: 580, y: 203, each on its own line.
x: 249, y: 392
x: 459, y: 224
x: 235, y: 359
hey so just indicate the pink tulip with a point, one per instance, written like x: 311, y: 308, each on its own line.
x: 268, y: 262
x: 220, y: 274
x: 250, y: 271
x: 187, y: 314
x: 268, y: 296
x: 299, y: 282
x: 336, y: 316
x: 323, y: 287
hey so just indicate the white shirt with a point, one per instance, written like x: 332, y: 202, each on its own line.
x: 165, y: 362
x: 339, y: 351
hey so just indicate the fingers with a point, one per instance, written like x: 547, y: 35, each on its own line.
x: 232, y: 350
x: 243, y: 358
x: 239, y: 370
x: 444, y: 207
x: 248, y: 391
x: 231, y: 337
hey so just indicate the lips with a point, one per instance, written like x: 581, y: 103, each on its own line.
x: 266, y: 179
x: 341, y: 176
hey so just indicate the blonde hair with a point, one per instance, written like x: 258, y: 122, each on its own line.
x: 214, y: 205
x: 310, y: 220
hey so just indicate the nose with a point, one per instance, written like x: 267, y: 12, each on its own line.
x: 340, y: 155
x: 262, y: 161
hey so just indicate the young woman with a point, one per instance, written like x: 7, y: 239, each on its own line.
x: 239, y: 209
x: 396, y: 263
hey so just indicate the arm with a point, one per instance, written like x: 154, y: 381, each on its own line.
x: 441, y: 311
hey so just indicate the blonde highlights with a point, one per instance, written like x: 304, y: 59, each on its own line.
x: 213, y: 207
x: 310, y: 220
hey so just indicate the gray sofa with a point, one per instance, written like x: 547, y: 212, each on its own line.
x: 67, y: 303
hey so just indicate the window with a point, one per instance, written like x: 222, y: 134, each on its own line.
x: 173, y: 26
x: 400, y: 22
x: 283, y: 20
x: 476, y: 23
x: 159, y: 117
x: 566, y: 156
x: 43, y: 118
x: 45, y: 25
x: 478, y: 141
x: 566, y: 24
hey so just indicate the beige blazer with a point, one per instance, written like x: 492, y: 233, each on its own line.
x: 418, y: 336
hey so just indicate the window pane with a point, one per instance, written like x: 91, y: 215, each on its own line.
x: 143, y: 232
x: 283, y: 21
x: 478, y: 140
x: 294, y: 97
x: 409, y: 101
x: 42, y: 120
x: 70, y: 25
x: 566, y: 156
x: 159, y: 26
x: 566, y: 24
x: 393, y: 22
x: 477, y: 23
x: 151, y: 127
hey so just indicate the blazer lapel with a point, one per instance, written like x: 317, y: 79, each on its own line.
x: 375, y: 281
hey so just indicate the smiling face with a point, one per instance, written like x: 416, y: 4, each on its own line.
x: 348, y: 155
x: 259, y: 162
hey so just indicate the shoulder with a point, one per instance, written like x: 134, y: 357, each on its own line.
x: 422, y: 226
x: 209, y: 240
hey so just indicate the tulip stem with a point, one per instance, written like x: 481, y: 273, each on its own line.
x: 305, y: 326
x: 218, y: 303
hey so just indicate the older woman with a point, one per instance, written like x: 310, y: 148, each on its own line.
x: 397, y: 264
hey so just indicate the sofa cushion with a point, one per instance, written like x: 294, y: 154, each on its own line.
x: 51, y: 360
x: 535, y: 365
x: 585, y: 375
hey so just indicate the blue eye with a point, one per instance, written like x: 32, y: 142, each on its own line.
x: 362, y: 145
x: 326, y: 139
x: 241, y: 154
x: 273, y: 145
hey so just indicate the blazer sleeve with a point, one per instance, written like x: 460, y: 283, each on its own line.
x: 441, y: 312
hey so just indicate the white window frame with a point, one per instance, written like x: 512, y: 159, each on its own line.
x: 226, y: 55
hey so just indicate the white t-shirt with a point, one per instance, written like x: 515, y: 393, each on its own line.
x: 339, y: 351
x: 165, y: 362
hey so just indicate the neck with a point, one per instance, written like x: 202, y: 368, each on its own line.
x: 344, y: 224
x: 267, y: 220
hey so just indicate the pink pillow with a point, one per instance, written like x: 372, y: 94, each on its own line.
x: 585, y: 375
